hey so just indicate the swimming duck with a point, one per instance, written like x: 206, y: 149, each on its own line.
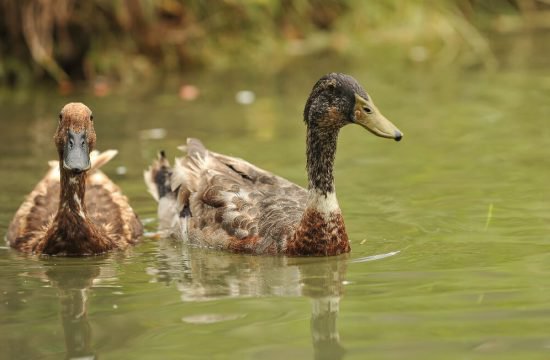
x: 75, y: 209
x: 213, y: 200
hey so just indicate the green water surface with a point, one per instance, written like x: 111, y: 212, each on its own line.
x: 450, y: 228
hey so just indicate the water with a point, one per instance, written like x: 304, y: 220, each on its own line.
x: 450, y: 227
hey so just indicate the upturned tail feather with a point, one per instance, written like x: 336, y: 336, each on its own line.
x: 161, y: 179
x: 172, y: 186
x: 98, y: 159
x: 158, y: 177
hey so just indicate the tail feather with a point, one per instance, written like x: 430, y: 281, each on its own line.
x: 181, y: 179
x: 195, y: 147
x: 187, y: 170
x: 98, y: 159
x: 158, y: 177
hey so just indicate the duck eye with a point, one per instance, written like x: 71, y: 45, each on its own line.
x: 91, y: 118
x: 367, y: 109
x: 60, y: 116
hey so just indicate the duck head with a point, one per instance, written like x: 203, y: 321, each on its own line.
x: 337, y: 100
x: 75, y: 137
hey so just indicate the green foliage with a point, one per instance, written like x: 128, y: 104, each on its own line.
x: 69, y: 40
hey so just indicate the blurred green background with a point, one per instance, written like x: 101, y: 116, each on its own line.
x: 126, y: 41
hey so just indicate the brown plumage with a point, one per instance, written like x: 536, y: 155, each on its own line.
x: 217, y: 201
x: 75, y: 209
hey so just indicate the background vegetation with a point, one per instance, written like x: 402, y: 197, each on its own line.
x: 71, y: 41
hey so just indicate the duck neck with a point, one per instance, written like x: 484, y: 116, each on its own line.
x: 321, y: 230
x: 72, y: 231
x: 73, y: 189
x: 321, y: 149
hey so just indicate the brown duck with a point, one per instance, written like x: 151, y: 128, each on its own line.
x: 212, y: 200
x: 75, y: 209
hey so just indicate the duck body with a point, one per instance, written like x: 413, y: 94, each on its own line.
x: 75, y: 210
x: 227, y: 203
x: 217, y: 201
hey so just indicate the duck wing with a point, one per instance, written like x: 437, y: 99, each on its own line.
x: 37, y: 211
x: 231, y: 204
x: 109, y: 208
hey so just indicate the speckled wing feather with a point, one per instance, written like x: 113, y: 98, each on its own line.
x: 109, y: 208
x: 34, y: 216
x: 233, y: 204
x: 104, y: 202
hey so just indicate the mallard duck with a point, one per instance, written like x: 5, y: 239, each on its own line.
x: 222, y: 202
x: 75, y: 209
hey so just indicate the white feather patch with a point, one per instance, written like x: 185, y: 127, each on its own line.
x: 79, y: 206
x: 178, y: 177
x: 98, y: 177
x: 54, y: 173
x: 150, y: 183
x: 324, y: 204
x: 167, y: 213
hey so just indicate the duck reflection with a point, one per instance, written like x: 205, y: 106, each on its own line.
x: 73, y: 283
x: 201, y: 276
x: 323, y: 283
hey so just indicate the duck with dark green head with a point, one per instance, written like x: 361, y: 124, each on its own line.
x: 217, y: 201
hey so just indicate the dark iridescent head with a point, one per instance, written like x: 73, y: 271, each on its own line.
x: 337, y: 100
x: 75, y: 137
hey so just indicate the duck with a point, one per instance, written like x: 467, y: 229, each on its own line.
x: 75, y: 210
x: 217, y: 201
